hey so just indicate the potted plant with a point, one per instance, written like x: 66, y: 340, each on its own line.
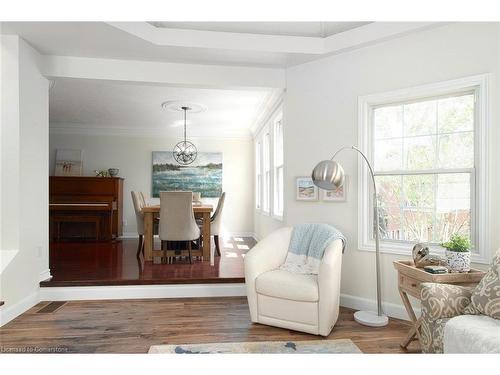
x: 458, y: 253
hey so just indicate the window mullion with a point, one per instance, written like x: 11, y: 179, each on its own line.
x: 424, y: 171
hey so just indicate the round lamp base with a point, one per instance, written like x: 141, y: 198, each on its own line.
x: 369, y: 318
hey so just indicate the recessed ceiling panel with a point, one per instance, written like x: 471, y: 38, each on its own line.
x: 105, y: 105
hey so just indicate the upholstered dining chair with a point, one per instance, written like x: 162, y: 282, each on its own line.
x: 276, y: 297
x: 215, y: 225
x: 143, y: 198
x: 216, y: 222
x: 139, y: 202
x: 177, y: 222
x: 139, y: 216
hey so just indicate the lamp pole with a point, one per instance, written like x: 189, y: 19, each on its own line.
x: 328, y: 174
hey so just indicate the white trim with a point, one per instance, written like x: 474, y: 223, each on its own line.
x: 103, y: 130
x: 273, y: 105
x: 348, y: 40
x: 77, y: 293
x: 482, y: 209
x: 163, y: 36
x: 373, y: 33
x: 8, y: 313
x: 177, y: 74
x: 45, y: 275
x: 134, y: 235
x: 268, y: 127
x: 390, y: 309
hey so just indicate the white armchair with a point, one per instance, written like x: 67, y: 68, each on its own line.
x: 306, y: 303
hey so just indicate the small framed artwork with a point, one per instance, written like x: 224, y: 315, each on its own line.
x: 337, y: 195
x: 305, y: 189
x: 69, y: 162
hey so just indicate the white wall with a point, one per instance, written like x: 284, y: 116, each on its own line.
x: 132, y: 155
x: 24, y: 176
x: 321, y: 116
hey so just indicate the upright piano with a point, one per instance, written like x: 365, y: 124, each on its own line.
x: 85, y: 207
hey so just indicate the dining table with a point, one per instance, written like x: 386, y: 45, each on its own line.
x: 202, y: 211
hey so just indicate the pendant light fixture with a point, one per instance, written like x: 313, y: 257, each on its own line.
x: 185, y: 152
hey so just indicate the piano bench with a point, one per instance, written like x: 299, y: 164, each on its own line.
x: 57, y: 220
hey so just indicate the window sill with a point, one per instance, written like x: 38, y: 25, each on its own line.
x: 406, y: 249
x: 278, y: 217
x: 264, y: 213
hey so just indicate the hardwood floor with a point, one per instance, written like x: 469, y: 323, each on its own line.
x: 115, y: 263
x: 132, y: 326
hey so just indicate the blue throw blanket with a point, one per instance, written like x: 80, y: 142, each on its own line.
x: 307, y: 245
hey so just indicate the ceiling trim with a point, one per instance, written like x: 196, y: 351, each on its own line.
x: 350, y: 39
x: 373, y: 33
x: 221, y: 39
x: 177, y: 74
x: 272, y: 102
x: 91, y: 130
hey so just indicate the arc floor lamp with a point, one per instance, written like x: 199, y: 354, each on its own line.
x: 329, y: 175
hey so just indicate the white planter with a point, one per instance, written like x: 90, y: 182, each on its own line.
x: 458, y: 261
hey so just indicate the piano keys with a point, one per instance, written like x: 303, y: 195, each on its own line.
x: 85, y: 207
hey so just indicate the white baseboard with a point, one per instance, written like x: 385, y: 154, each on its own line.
x: 77, y: 293
x: 8, y: 313
x: 390, y: 309
x: 227, y: 234
x: 45, y: 275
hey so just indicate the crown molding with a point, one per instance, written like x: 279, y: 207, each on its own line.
x: 269, y: 106
x: 317, y: 46
x: 162, y: 36
x: 92, y: 130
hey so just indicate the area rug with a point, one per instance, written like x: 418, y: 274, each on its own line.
x: 278, y: 347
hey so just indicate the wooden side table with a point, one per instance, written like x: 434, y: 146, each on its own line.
x: 409, y: 280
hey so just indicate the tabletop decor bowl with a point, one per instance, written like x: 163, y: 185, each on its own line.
x: 113, y: 172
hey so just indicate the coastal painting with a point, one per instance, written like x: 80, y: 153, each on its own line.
x: 337, y: 195
x: 305, y: 189
x: 203, y: 176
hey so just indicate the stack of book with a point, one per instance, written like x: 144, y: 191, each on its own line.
x: 436, y: 269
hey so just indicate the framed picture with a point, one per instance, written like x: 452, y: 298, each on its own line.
x: 69, y: 162
x: 337, y: 195
x: 305, y: 189
x: 203, y: 176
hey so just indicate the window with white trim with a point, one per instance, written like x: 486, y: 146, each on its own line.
x: 278, y: 167
x: 266, y: 161
x: 258, y: 175
x: 427, y: 150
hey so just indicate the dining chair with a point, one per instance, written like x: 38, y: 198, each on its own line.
x: 139, y: 203
x: 177, y: 222
x: 139, y: 216
x: 143, y: 198
x: 216, y: 222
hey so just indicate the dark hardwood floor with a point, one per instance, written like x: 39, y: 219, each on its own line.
x: 115, y: 263
x: 132, y: 326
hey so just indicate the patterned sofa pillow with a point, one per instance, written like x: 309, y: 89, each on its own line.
x: 485, y: 297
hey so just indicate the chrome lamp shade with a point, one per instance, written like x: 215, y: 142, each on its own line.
x: 328, y: 175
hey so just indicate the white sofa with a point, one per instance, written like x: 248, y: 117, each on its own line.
x: 306, y: 303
